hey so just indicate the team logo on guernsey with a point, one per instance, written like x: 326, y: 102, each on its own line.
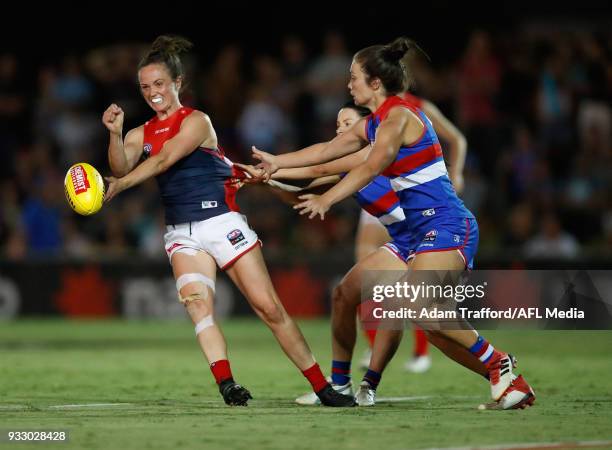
x: 209, y: 204
x: 431, y: 235
x: 429, y: 212
x: 235, y: 236
x: 147, y: 149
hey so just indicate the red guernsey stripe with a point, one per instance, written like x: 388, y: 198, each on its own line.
x: 383, y: 204
x: 231, y: 186
x: 413, y: 161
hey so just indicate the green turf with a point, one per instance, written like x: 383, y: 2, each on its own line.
x: 173, y: 403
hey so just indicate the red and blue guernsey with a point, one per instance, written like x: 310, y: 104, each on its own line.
x: 198, y: 186
x: 413, y: 196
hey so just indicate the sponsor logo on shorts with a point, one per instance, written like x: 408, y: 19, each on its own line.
x: 79, y: 179
x: 456, y: 238
x: 429, y: 212
x: 235, y: 236
x: 147, y: 149
x: 242, y: 244
x: 209, y: 204
x: 431, y: 235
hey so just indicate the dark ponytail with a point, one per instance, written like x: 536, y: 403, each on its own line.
x: 167, y: 50
x: 388, y: 63
x: 361, y: 110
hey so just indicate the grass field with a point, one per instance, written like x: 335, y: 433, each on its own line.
x: 161, y: 395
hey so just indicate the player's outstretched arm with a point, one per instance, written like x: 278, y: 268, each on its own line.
x: 335, y: 167
x: 389, y: 137
x: 349, y: 142
x: 195, y: 130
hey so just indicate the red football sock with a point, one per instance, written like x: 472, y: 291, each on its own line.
x: 221, y: 370
x: 420, y: 342
x: 315, y: 377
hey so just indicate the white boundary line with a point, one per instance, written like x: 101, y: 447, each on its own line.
x: 88, y: 405
x: 403, y: 399
x: 534, y: 446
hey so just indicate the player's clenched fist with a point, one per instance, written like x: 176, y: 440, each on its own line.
x: 113, y: 119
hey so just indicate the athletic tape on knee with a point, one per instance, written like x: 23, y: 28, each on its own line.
x: 192, y: 297
x: 187, y: 278
x: 203, y: 324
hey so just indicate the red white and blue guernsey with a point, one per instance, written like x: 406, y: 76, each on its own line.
x: 197, y: 187
x: 199, y: 197
x: 414, y: 198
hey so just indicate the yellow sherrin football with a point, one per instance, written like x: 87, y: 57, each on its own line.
x: 84, y: 188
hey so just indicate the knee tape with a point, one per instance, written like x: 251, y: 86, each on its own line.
x: 192, y: 278
x: 203, y: 324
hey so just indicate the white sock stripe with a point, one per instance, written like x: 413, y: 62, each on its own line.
x: 187, y: 278
x: 203, y: 324
x: 486, y: 354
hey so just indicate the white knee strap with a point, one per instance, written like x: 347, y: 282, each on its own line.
x: 187, y: 278
x: 203, y: 324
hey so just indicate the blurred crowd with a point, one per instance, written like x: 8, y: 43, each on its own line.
x: 536, y: 108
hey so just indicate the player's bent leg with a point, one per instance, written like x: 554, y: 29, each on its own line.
x: 194, y: 272
x: 195, y: 278
x: 251, y: 276
x: 498, y: 364
x: 456, y: 352
x: 347, y: 297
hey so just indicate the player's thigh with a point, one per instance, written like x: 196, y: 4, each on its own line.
x: 374, y: 268
x: 371, y: 235
x: 439, y: 260
x: 250, y: 274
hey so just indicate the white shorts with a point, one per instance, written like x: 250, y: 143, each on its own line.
x: 226, y: 238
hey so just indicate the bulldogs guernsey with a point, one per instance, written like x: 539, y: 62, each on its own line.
x: 414, y: 191
x: 198, y: 186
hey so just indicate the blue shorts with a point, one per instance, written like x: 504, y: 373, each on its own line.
x: 459, y: 234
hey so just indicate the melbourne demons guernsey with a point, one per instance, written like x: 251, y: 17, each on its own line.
x: 415, y: 187
x: 196, y: 187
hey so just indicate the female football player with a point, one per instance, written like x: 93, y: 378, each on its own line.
x: 204, y: 227
x: 404, y: 183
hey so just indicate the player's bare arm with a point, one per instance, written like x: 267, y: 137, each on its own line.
x: 457, y: 144
x: 349, y: 142
x: 196, y: 130
x: 123, y: 154
x: 399, y: 127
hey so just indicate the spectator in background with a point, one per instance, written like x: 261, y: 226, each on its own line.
x: 519, y: 227
x: 552, y: 242
x: 41, y: 216
x: 479, y: 78
x: 327, y: 80
x: 66, y: 113
x: 295, y: 66
x: 223, y: 92
x: 521, y: 163
x: 13, y: 112
x: 594, y: 110
x: 263, y: 122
